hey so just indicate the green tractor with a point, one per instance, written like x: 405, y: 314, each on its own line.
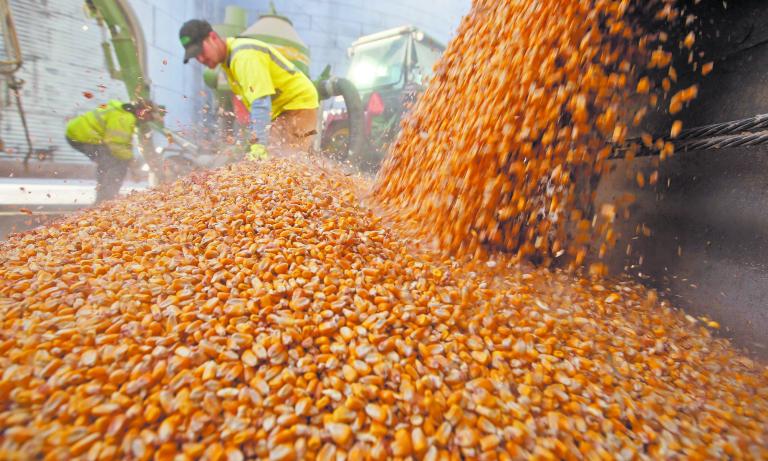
x: 389, y: 69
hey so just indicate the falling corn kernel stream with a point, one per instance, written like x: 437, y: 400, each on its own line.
x: 271, y: 311
x: 503, y: 148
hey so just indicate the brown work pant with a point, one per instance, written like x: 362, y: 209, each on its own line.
x: 294, y: 129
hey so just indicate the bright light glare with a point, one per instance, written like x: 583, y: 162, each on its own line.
x: 364, y: 73
x: 145, y: 167
x: 159, y: 150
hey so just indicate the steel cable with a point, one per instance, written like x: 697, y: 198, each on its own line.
x: 737, y: 133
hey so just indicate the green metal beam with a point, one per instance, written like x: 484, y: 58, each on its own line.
x: 130, y: 71
x: 128, y: 44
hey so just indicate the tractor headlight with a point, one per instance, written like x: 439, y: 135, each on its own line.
x: 364, y: 73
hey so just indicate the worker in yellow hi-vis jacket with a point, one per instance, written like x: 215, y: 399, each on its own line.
x: 105, y: 135
x: 276, y: 93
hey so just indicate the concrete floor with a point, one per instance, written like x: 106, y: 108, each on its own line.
x: 26, y: 203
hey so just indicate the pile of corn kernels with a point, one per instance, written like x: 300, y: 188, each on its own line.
x: 263, y: 312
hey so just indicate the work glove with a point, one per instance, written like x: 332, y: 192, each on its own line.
x: 257, y: 152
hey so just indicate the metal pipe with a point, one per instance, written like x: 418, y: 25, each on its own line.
x: 129, y: 47
x: 128, y: 43
x: 15, y: 85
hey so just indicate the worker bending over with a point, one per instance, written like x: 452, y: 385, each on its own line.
x: 272, y: 88
x: 105, y: 135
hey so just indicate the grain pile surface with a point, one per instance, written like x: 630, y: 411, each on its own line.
x: 503, y: 147
x: 261, y: 312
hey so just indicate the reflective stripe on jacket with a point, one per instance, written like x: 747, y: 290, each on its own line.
x: 111, y: 125
x: 254, y: 69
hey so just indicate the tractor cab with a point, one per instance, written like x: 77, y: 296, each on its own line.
x: 389, y: 69
x: 392, y: 59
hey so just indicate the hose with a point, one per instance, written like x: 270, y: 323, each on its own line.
x: 336, y: 86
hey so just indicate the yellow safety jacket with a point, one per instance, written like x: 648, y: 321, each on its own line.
x: 254, y: 70
x: 111, y: 125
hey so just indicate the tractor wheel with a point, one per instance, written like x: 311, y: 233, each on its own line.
x: 336, y: 144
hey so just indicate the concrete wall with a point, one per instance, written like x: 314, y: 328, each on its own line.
x: 330, y: 26
x: 175, y: 85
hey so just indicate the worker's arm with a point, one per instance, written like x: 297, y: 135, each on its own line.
x: 261, y: 110
x: 118, y: 134
x: 261, y: 113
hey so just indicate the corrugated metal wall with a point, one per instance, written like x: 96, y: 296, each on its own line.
x: 62, y: 60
